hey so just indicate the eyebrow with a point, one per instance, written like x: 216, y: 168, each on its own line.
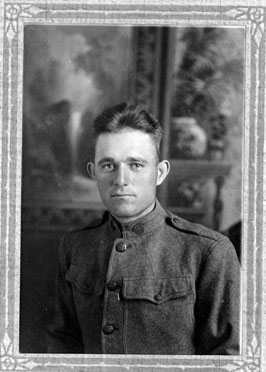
x: 112, y: 160
x: 140, y: 160
x: 106, y: 160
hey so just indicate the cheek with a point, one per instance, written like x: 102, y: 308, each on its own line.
x: 103, y: 182
x: 153, y: 177
x: 148, y: 181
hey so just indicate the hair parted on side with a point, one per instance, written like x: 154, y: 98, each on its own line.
x: 127, y: 115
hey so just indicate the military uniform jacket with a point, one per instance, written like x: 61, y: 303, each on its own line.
x: 158, y: 285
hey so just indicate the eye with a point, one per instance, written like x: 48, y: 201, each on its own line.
x: 136, y: 165
x: 108, y: 166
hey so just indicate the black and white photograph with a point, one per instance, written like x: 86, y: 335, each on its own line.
x: 132, y: 203
x: 71, y: 74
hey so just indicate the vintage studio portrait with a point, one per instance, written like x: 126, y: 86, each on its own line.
x: 131, y: 190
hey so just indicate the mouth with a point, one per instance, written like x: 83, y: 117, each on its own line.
x: 122, y: 196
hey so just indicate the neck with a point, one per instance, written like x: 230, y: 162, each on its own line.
x: 124, y: 220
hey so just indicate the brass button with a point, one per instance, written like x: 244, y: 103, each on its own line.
x: 158, y: 297
x: 138, y: 229
x: 112, y: 285
x: 108, y: 329
x: 121, y: 247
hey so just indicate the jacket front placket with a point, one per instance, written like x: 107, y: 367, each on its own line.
x: 121, y: 264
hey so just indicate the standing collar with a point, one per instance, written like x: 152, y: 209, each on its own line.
x: 141, y: 225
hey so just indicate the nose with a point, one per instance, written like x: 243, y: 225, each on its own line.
x: 121, y: 176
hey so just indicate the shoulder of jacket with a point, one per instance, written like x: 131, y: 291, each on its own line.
x: 97, y: 223
x: 194, y: 228
x: 76, y: 235
x: 71, y: 240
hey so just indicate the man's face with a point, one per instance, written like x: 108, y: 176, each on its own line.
x: 127, y: 173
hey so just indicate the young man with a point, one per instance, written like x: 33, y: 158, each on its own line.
x: 142, y: 280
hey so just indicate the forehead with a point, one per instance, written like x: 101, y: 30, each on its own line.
x: 125, y: 143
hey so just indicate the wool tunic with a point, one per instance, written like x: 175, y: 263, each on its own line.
x: 157, y: 285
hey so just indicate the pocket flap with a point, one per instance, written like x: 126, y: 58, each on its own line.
x: 154, y: 289
x: 84, y: 280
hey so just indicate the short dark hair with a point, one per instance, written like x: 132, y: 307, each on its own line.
x: 127, y: 115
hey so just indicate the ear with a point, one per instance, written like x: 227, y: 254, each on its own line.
x: 91, y: 170
x: 163, y: 170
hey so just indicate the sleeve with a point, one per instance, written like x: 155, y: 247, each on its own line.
x: 63, y: 334
x: 217, y: 309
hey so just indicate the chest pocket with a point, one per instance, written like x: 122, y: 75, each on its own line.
x: 84, y: 280
x: 159, y: 313
x: 156, y: 290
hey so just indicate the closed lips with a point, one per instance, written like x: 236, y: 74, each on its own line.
x: 121, y: 195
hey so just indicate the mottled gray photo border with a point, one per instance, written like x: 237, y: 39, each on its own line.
x: 14, y: 15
